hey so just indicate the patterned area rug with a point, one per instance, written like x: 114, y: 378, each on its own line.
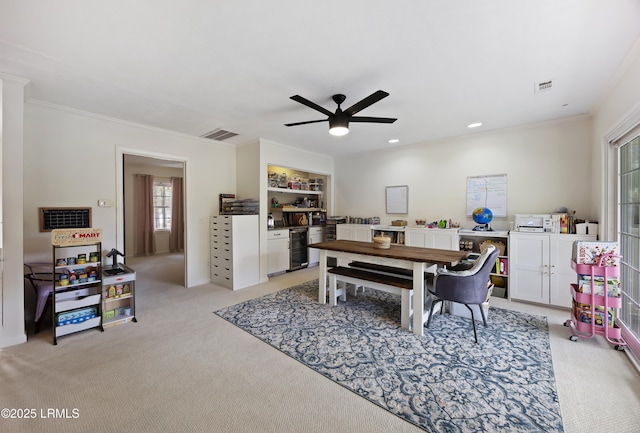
x: 441, y: 382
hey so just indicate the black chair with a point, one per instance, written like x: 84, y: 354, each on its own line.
x: 468, y: 287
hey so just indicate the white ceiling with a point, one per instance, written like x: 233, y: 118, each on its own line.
x: 196, y: 65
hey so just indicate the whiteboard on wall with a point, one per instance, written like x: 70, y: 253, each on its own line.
x: 397, y: 199
x: 487, y: 191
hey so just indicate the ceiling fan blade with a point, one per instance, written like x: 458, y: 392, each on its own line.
x: 372, y: 119
x: 310, y: 104
x: 304, y: 123
x: 369, y: 100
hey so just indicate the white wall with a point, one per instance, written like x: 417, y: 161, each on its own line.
x: 12, y: 329
x: 547, y: 166
x: 72, y: 159
x: 617, y: 112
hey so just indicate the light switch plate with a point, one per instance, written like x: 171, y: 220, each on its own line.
x: 105, y: 203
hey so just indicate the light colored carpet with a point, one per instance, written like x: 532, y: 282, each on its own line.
x: 182, y: 368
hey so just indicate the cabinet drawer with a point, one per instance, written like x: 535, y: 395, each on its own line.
x: 75, y: 327
x: 77, y: 303
x: 223, y: 269
x: 277, y: 234
x: 72, y: 294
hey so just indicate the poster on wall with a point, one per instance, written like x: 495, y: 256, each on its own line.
x: 487, y: 191
x: 397, y: 199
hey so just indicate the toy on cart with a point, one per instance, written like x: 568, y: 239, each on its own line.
x: 596, y: 300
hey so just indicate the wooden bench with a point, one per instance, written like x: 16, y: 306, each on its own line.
x: 388, y: 270
x: 375, y: 280
x: 383, y: 269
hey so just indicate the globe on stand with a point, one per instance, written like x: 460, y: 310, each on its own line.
x: 482, y: 216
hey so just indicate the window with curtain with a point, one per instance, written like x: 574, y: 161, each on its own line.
x: 628, y: 186
x: 162, y: 190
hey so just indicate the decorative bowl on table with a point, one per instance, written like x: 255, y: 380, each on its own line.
x: 420, y: 222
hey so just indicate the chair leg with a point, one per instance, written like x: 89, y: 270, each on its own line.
x: 484, y: 316
x: 433, y: 305
x: 473, y: 322
x: 38, y: 322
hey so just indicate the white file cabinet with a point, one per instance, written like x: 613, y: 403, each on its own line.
x: 235, y: 251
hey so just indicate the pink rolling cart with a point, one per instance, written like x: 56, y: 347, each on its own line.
x: 594, y: 313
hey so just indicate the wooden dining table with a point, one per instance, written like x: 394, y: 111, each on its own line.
x: 418, y: 259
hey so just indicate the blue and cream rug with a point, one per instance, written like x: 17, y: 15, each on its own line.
x: 441, y: 382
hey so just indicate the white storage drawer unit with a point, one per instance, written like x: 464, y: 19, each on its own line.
x: 235, y: 251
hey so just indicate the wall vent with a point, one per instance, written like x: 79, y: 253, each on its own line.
x: 543, y: 86
x: 219, y: 134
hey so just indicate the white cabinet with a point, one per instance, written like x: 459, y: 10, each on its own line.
x: 235, y: 251
x: 446, y: 239
x: 541, y: 267
x: 316, y: 234
x: 354, y: 232
x: 277, y: 251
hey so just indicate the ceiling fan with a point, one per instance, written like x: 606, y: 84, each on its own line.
x: 339, y: 121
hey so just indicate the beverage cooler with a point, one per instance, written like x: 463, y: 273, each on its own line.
x: 298, y: 248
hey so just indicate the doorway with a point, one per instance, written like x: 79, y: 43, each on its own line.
x: 162, y: 171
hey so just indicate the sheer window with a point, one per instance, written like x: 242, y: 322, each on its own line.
x: 628, y: 228
x: 162, y: 204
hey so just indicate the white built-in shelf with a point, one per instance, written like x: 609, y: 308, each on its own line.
x: 294, y: 191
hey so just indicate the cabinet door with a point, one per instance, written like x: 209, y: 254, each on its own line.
x: 277, y: 255
x: 344, y: 232
x: 529, y: 262
x: 315, y: 236
x: 415, y: 237
x: 443, y: 239
x: 560, y: 274
x: 363, y: 234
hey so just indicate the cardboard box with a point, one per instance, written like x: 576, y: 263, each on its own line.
x: 462, y: 311
x: 589, y: 253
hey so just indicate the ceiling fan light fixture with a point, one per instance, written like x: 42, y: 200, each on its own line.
x: 338, y: 127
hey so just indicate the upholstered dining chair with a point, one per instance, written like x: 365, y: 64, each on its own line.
x: 468, y: 287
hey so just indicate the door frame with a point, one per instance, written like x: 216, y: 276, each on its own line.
x: 120, y: 152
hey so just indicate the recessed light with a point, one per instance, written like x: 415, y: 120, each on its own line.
x: 474, y: 125
x: 393, y: 140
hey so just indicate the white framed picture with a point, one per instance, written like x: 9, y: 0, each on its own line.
x: 397, y: 199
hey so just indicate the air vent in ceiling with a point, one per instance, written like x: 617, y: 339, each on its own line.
x: 543, y: 86
x: 219, y: 134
